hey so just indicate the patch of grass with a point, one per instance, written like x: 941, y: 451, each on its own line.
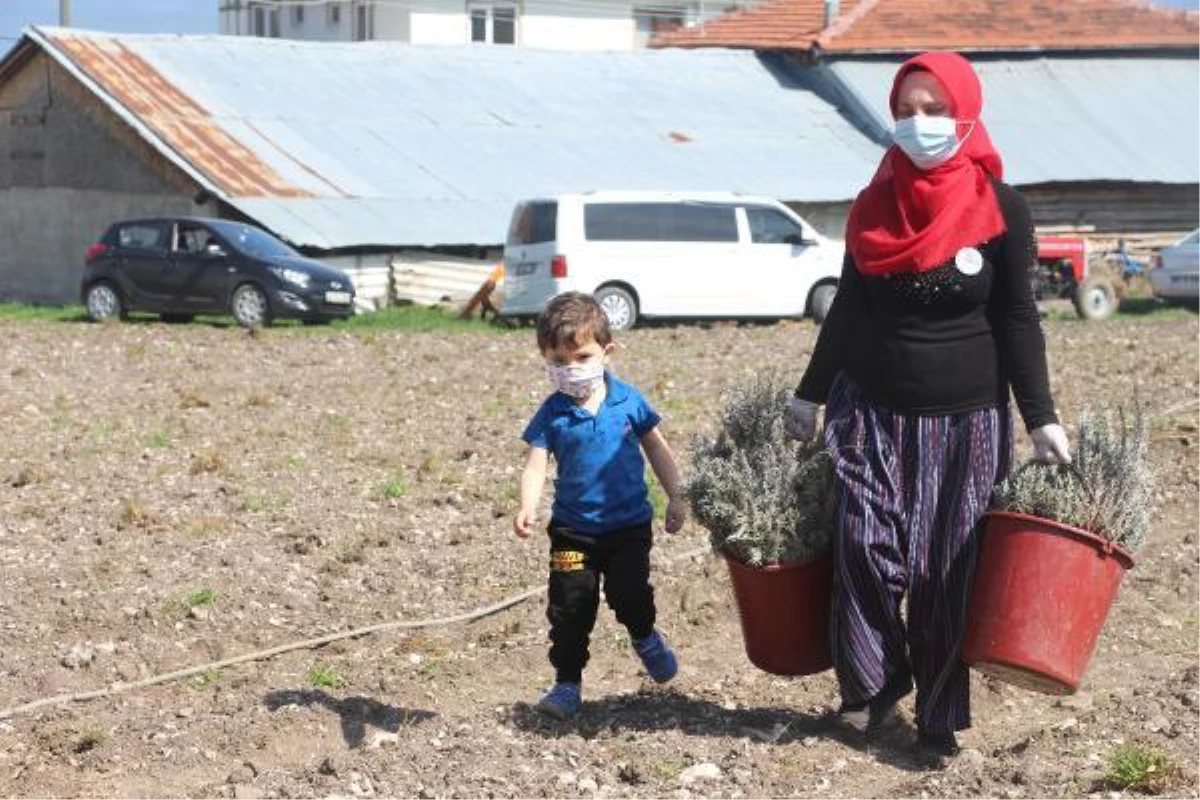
x: 260, y: 399
x: 203, y: 527
x: 24, y: 312
x: 669, y: 768
x: 159, y: 440
x: 265, y: 502
x: 204, y: 680
x: 208, y: 461
x: 417, y: 318
x: 1139, y: 767
x: 295, y: 461
x: 396, y: 486
x: 200, y: 597
x: 192, y: 398
x: 103, y: 431
x: 134, y: 514
x: 325, y: 677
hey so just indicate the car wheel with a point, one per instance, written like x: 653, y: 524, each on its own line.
x: 249, y: 306
x: 619, y: 306
x: 1095, y: 298
x: 103, y: 302
x: 821, y: 300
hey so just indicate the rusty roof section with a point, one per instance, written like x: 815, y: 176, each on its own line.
x: 176, y: 118
x: 902, y: 26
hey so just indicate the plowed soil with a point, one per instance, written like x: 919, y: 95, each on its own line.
x: 176, y: 496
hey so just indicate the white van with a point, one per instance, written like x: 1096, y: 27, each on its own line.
x: 669, y: 254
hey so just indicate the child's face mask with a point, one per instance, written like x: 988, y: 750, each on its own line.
x: 577, y: 380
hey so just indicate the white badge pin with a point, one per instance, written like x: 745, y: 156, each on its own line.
x: 969, y: 261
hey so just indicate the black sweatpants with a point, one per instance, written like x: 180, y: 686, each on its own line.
x: 579, y: 564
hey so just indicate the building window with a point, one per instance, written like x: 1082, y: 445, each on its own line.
x: 493, y: 23
x: 298, y: 15
x: 266, y: 22
x: 651, y: 20
x: 333, y: 13
x: 362, y: 22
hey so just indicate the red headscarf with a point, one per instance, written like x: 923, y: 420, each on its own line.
x: 912, y: 220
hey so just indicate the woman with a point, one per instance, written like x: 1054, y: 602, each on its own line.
x: 933, y: 324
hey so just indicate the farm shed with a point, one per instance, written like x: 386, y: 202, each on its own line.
x: 355, y: 152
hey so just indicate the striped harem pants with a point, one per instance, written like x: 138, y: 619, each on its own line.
x: 912, y: 492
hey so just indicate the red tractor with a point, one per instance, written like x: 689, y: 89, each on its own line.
x: 1063, y: 273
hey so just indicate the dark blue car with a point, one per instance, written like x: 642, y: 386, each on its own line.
x: 182, y: 266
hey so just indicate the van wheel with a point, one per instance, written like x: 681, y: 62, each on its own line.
x: 821, y: 300
x: 619, y: 306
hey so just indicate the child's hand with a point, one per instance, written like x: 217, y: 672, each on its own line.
x: 676, y: 514
x: 523, y: 524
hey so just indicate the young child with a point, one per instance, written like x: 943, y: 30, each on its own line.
x: 596, y: 427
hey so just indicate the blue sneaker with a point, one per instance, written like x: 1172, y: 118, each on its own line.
x: 657, y: 657
x: 562, y: 701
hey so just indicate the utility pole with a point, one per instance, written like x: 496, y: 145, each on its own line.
x: 64, y: 13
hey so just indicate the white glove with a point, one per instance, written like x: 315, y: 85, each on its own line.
x: 800, y: 419
x: 1050, y: 444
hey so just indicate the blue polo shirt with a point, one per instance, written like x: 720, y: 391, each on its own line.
x: 601, y: 483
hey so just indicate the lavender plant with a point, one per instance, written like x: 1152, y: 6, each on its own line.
x: 763, y: 498
x: 1105, y: 490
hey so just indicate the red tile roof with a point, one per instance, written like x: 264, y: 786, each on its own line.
x: 892, y: 26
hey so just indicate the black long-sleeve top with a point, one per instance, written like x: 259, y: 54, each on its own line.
x: 942, y: 341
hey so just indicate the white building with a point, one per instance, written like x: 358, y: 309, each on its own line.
x: 552, y: 24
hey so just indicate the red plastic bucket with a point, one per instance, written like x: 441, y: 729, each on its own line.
x: 784, y: 610
x: 1042, y: 591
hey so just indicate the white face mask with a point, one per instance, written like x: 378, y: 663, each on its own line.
x: 577, y: 380
x: 928, y: 141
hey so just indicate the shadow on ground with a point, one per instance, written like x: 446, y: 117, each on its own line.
x: 652, y: 711
x: 357, y: 713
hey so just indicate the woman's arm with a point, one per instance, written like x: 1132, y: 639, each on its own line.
x: 836, y: 337
x: 1015, y: 315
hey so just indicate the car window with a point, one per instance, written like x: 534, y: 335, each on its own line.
x: 534, y: 223
x: 140, y: 234
x: 659, y: 222
x: 769, y: 226
x: 1192, y: 240
x: 191, y: 238
x: 252, y: 241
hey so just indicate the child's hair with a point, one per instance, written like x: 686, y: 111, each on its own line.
x: 569, y: 318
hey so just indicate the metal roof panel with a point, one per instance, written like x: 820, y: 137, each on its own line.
x: 392, y: 144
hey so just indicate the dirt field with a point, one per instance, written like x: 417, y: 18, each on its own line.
x: 174, y: 496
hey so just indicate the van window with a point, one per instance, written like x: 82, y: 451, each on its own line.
x: 769, y: 226
x: 534, y: 223
x: 659, y: 222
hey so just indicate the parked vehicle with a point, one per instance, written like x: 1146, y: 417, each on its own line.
x: 1175, y: 275
x: 669, y: 254
x: 182, y: 266
x: 1063, y: 272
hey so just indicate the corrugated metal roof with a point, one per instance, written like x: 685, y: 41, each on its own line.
x: 381, y: 143
x: 1074, y: 119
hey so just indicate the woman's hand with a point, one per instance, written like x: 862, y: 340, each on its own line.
x: 1050, y: 444
x: 800, y: 419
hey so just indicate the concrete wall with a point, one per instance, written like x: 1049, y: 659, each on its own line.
x: 69, y: 168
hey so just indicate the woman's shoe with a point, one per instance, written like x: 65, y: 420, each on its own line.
x: 935, y: 750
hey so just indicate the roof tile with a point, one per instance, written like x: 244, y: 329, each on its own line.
x: 969, y: 25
